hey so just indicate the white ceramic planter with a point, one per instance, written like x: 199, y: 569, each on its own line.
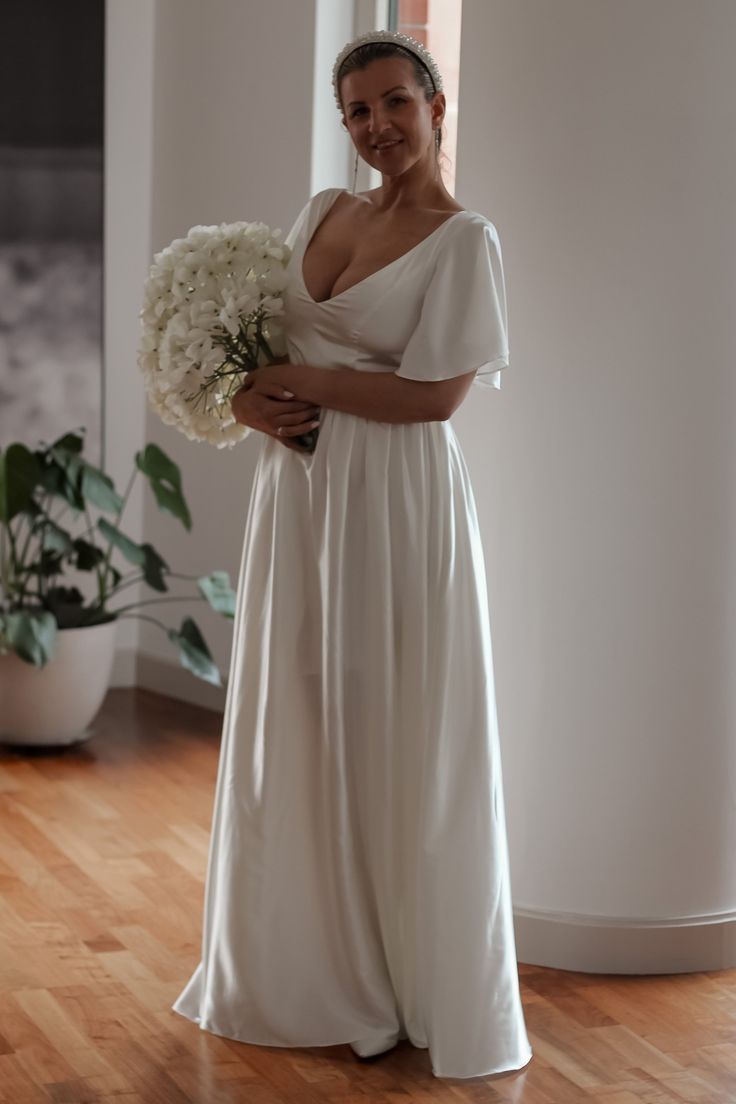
x: 53, y: 705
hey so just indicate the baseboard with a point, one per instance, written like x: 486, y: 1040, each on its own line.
x: 170, y: 678
x: 615, y: 945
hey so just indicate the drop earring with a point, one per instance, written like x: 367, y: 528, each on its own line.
x: 355, y: 171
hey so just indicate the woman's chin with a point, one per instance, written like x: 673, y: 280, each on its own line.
x: 395, y: 167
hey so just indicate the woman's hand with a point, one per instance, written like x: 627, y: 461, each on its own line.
x: 267, y: 405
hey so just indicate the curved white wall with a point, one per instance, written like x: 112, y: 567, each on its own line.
x: 599, y: 139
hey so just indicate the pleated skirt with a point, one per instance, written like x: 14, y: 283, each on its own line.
x: 358, y: 883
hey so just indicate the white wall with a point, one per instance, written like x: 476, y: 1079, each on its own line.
x: 599, y: 139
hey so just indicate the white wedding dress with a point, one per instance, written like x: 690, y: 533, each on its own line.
x: 358, y: 886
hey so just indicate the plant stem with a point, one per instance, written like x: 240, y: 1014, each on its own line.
x: 130, y: 580
x: 106, y: 564
x: 14, y: 564
x: 144, y: 617
x: 100, y: 577
x: 124, y: 582
x: 153, y: 601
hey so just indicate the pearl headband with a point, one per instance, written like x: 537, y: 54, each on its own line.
x: 399, y: 39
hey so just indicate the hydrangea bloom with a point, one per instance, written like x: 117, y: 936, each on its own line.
x: 212, y: 311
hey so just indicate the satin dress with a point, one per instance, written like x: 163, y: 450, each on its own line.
x: 358, y: 882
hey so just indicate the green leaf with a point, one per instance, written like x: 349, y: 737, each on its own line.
x: 99, y: 489
x: 88, y: 556
x: 20, y: 473
x: 194, y: 653
x: 54, y: 480
x: 133, y: 552
x: 70, y: 442
x: 165, y: 480
x: 63, y: 476
x: 142, y: 555
x: 56, y: 539
x: 154, y: 567
x: 32, y: 635
x: 47, y: 563
x: 217, y: 590
x: 70, y: 463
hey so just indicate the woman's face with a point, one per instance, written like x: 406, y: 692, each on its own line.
x: 383, y: 103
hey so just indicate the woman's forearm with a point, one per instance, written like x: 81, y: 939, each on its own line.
x: 379, y: 395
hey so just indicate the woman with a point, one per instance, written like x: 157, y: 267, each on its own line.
x: 358, y: 882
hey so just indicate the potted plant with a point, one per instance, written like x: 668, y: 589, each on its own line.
x: 59, y: 517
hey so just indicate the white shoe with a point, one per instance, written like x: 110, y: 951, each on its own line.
x: 371, y: 1048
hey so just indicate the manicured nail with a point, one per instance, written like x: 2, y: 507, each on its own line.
x: 289, y: 394
x: 314, y: 425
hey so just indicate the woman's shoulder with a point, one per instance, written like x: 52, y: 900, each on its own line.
x: 468, y: 217
x: 469, y: 227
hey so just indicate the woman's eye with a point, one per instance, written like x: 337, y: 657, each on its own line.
x: 393, y: 100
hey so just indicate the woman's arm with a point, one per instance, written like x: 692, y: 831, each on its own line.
x: 381, y: 396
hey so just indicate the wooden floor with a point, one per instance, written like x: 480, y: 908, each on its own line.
x: 103, y: 850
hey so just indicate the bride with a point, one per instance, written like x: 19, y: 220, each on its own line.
x: 358, y: 883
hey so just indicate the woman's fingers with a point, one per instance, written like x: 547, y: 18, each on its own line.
x: 267, y: 387
x: 281, y: 409
x: 297, y: 428
x: 307, y: 414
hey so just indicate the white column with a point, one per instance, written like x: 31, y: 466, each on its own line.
x: 232, y: 139
x: 128, y: 149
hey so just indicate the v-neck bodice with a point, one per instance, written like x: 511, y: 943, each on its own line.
x: 451, y: 280
x: 309, y: 234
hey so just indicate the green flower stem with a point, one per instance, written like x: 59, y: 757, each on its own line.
x: 265, y: 346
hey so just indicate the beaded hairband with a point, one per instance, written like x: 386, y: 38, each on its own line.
x: 399, y: 39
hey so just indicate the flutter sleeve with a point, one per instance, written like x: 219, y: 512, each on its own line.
x: 463, y: 323
x: 298, y: 223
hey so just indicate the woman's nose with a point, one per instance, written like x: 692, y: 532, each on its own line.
x: 378, y: 122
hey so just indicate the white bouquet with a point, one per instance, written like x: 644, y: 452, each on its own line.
x: 211, y: 311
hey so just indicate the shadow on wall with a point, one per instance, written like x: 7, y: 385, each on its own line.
x: 51, y: 180
x: 50, y: 294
